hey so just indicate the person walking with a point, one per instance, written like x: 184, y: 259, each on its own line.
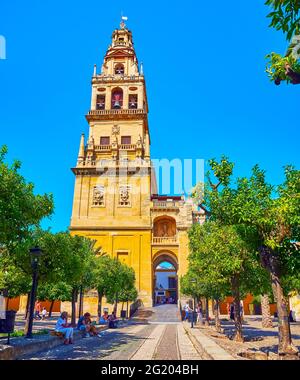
x: 199, y: 312
x: 187, y: 310
x: 37, y: 308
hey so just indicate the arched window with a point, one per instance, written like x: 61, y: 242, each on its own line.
x: 119, y: 69
x: 117, y: 98
x: 100, y: 103
x: 133, y: 101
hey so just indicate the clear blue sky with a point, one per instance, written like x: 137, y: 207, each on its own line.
x: 204, y: 65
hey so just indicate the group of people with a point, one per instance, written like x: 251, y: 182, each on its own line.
x: 38, y: 310
x: 188, y: 311
x: 111, y: 320
x: 85, y: 325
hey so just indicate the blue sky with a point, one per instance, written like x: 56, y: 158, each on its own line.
x: 204, y: 65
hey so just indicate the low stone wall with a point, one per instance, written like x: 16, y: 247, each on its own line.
x: 23, y: 346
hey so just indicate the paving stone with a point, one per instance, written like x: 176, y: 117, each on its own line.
x: 167, y: 347
x: 187, y: 351
x: 146, y: 351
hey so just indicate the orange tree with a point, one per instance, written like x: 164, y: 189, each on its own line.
x: 274, y: 213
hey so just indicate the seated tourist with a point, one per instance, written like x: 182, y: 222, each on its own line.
x: 104, y: 318
x: 86, y: 325
x: 112, y: 321
x: 65, y: 328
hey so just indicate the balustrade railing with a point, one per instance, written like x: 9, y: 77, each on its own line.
x: 118, y: 78
x: 102, y: 147
x: 127, y: 146
x: 138, y: 111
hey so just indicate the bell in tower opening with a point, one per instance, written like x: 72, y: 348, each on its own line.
x: 117, y: 98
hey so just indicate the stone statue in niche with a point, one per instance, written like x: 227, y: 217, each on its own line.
x: 98, y: 196
x: 165, y: 230
x: 124, y: 195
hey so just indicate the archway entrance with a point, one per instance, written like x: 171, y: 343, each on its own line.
x: 165, y: 282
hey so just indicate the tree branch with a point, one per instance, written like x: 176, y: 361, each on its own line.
x: 295, y: 77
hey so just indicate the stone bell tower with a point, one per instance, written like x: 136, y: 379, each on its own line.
x: 112, y: 196
x: 115, y: 197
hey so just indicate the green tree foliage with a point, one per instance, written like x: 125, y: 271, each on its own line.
x: 273, y: 215
x: 222, y: 259
x: 103, y: 276
x: 20, y: 208
x: 12, y: 278
x: 79, y: 266
x: 122, y: 280
x: 285, y: 16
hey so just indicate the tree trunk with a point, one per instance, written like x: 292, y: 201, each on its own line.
x: 51, y: 309
x: 270, y: 261
x: 122, y: 305
x: 80, y: 308
x: 217, y: 315
x: 7, y: 303
x: 265, y: 311
x: 100, y: 296
x: 116, y: 305
x: 74, y: 300
x: 235, y: 285
x: 206, y: 312
x: 127, y: 310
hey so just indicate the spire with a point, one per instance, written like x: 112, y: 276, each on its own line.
x: 81, y: 150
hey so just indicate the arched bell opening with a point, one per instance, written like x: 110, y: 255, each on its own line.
x: 119, y: 69
x: 117, y: 98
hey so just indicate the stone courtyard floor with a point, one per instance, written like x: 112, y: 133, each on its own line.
x: 159, y: 334
x: 153, y: 334
x: 256, y: 337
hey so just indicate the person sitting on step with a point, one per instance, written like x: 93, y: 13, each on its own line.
x: 112, y: 321
x: 86, y: 325
x: 65, y: 328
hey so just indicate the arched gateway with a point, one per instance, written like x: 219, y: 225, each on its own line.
x: 165, y: 279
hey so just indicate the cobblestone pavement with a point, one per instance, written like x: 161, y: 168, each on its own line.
x: 159, y: 336
x: 256, y: 337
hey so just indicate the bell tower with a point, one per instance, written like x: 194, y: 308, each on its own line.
x: 112, y: 195
x: 118, y: 115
